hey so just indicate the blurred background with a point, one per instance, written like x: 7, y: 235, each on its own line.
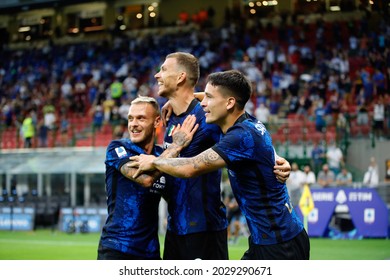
x: 320, y: 72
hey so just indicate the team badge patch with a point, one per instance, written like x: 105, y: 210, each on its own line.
x: 121, y: 152
x: 170, y: 130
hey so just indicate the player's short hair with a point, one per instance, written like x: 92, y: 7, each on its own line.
x: 189, y: 63
x: 232, y: 83
x: 150, y: 100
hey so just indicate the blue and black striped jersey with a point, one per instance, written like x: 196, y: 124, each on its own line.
x: 250, y: 157
x: 194, y: 204
x: 132, y: 222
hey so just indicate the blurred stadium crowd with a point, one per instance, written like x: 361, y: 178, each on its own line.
x: 333, y: 74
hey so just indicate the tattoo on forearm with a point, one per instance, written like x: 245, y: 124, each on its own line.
x: 202, y: 159
x: 170, y: 152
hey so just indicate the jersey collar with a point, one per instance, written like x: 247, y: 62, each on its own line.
x: 193, y: 103
x: 242, y: 118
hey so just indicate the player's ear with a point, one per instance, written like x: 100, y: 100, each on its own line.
x: 231, y: 101
x: 157, y: 121
x: 181, y: 78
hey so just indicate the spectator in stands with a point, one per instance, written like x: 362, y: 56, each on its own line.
x: 43, y: 132
x: 49, y: 121
x: 387, y: 111
x: 130, y: 86
x: 67, y: 91
x: 379, y: 118
x: 368, y: 86
x: 326, y: 177
x: 28, y: 129
x: 49, y: 115
x: 116, y: 91
x: 362, y: 117
x: 344, y: 178
x: 7, y: 112
x: 124, y: 108
x: 371, y: 176
x: 334, y: 157
x: 262, y: 113
x: 317, y: 157
x: 274, y: 106
x: 97, y: 118
x: 309, y: 177
x: 80, y: 97
x: 342, y: 126
x: 108, y: 108
x: 387, y: 175
x: 379, y: 80
x: 353, y: 45
x: 320, y: 113
x: 64, y: 128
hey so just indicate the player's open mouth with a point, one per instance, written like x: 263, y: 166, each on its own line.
x: 133, y: 132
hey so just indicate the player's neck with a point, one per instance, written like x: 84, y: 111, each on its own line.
x: 230, y: 120
x: 181, y: 101
x: 148, y: 145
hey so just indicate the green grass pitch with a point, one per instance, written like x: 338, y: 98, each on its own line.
x: 48, y: 245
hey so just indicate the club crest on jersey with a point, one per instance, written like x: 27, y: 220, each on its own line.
x: 121, y: 152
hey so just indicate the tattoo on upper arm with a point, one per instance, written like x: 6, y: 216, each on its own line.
x: 127, y: 171
x: 170, y: 152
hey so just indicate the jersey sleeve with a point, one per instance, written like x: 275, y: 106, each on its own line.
x: 235, y: 146
x: 117, y: 154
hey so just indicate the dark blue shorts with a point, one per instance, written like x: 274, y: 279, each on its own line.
x: 210, y: 245
x: 297, y: 248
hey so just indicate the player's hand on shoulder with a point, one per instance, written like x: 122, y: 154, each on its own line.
x: 166, y: 112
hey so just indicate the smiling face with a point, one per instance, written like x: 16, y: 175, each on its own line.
x: 142, y: 122
x: 167, y: 77
x: 215, y: 104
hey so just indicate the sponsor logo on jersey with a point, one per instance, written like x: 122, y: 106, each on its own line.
x: 166, y: 145
x: 121, y: 152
